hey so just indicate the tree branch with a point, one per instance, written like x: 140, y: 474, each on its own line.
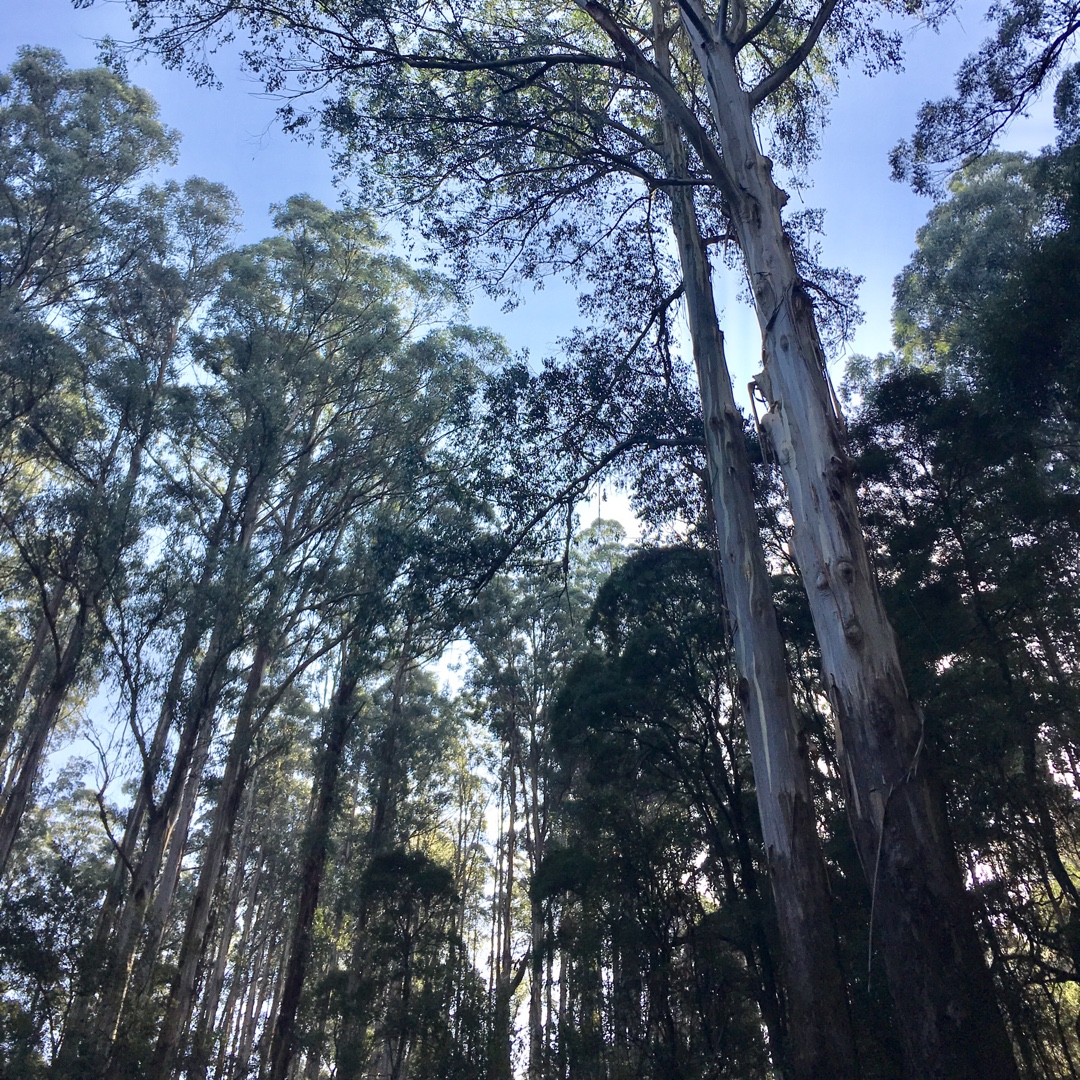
x: 788, y: 68
x: 650, y: 74
x: 759, y: 27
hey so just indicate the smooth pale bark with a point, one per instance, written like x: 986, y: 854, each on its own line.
x: 820, y: 1040
x: 946, y: 1013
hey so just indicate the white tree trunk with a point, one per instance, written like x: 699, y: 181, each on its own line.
x: 821, y: 1041
x: 946, y: 1012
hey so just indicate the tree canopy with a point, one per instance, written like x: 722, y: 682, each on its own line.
x: 252, y: 499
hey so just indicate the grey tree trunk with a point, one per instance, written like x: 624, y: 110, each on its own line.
x: 46, y: 624
x: 946, y: 1012
x: 502, y: 1020
x: 182, y: 992
x: 37, y: 735
x: 339, y: 722
x: 820, y: 1041
x: 205, y: 1028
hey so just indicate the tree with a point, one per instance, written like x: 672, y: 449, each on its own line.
x: 78, y: 247
x: 966, y: 439
x: 740, y: 60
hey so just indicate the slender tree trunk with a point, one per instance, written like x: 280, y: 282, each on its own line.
x: 339, y: 723
x: 168, y: 881
x: 18, y: 792
x: 270, y: 1023
x: 563, y: 1013
x: 821, y: 1040
x: 202, y: 1040
x: 37, y: 647
x: 101, y: 966
x: 256, y: 996
x: 37, y: 736
x: 352, y: 1042
x: 233, y: 1003
x: 947, y: 1016
x: 536, y: 990
x: 103, y: 982
x: 230, y: 791
x: 502, y: 1020
x: 167, y: 823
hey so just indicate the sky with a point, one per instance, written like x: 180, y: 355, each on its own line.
x: 230, y: 135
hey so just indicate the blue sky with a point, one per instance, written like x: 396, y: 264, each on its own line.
x: 230, y: 135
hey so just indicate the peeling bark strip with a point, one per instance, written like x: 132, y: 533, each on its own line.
x: 821, y: 1041
x: 946, y: 1012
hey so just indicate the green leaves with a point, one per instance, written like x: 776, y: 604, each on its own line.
x: 70, y: 143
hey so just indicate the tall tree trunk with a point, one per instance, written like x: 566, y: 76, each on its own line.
x: 230, y: 791
x: 41, y: 726
x: 103, y: 983
x: 202, y: 1040
x: 103, y: 966
x: 337, y: 726
x: 253, y: 1005
x: 536, y: 989
x: 160, y: 910
x: 168, y: 822
x: 13, y: 704
x: 167, y: 829
x: 947, y: 1016
x: 502, y: 1019
x: 20, y: 785
x: 352, y: 1042
x: 231, y: 1014
x: 821, y: 1040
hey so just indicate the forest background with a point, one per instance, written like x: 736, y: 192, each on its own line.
x: 253, y: 493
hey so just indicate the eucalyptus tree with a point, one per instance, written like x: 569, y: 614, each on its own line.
x: 525, y: 635
x: 328, y: 426
x: 79, y: 530
x: 405, y: 588
x: 436, y: 91
x: 974, y: 420
x: 98, y: 284
x: 655, y: 774
x: 374, y: 521
x: 74, y: 143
